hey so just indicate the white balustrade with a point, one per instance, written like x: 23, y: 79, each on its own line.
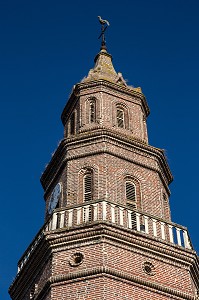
x: 91, y: 212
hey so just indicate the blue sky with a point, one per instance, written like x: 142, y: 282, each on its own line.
x: 47, y: 47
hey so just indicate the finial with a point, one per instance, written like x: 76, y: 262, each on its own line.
x: 103, y: 28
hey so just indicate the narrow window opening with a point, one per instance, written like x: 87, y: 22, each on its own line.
x: 120, y: 118
x: 92, y: 111
x: 130, y: 192
x: 88, y: 187
x: 72, y: 123
x: 131, y: 202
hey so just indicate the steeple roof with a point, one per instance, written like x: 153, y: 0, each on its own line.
x: 104, y: 69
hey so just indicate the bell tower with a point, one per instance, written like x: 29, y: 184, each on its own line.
x: 108, y: 232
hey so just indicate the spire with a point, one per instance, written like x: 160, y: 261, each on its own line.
x: 103, y: 68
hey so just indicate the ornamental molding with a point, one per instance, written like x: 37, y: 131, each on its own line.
x: 130, y: 91
x: 142, y: 248
x: 115, y: 275
x: 128, y: 237
x: 82, y: 89
x: 100, y: 134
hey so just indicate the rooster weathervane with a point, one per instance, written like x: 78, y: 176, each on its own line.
x: 104, y: 26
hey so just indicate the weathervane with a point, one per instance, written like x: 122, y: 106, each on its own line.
x: 104, y: 24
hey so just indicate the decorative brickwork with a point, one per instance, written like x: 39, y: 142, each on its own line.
x: 110, y: 236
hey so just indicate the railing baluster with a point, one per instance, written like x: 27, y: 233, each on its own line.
x: 95, y: 211
x: 62, y: 213
x: 103, y: 210
x: 54, y: 221
x: 79, y: 209
x: 121, y: 216
x: 86, y: 211
x: 178, y: 236
x: 146, y: 224
x: 129, y: 219
x: 113, y: 213
x: 138, y: 221
x: 154, y: 227
x: 50, y: 224
x: 162, y: 224
x: 186, y: 240
x: 70, y: 217
x: 171, y: 233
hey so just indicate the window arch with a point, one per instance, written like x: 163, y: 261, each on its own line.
x: 88, y: 186
x: 130, y: 193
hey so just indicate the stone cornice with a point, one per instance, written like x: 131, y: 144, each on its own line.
x: 123, y: 89
x: 126, y: 236
x: 102, y: 85
x: 101, y: 134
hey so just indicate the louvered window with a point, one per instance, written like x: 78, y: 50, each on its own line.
x: 92, y: 111
x: 88, y: 187
x: 130, y: 195
x: 131, y: 201
x: 130, y: 192
x: 72, y: 123
x: 120, y: 118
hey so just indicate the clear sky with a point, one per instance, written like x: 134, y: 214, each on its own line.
x: 46, y: 48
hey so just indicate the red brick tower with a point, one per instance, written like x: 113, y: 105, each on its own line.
x: 108, y: 233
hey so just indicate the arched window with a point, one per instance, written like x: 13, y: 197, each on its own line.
x: 130, y: 191
x: 92, y: 111
x: 88, y: 186
x: 72, y: 123
x: 120, y: 117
